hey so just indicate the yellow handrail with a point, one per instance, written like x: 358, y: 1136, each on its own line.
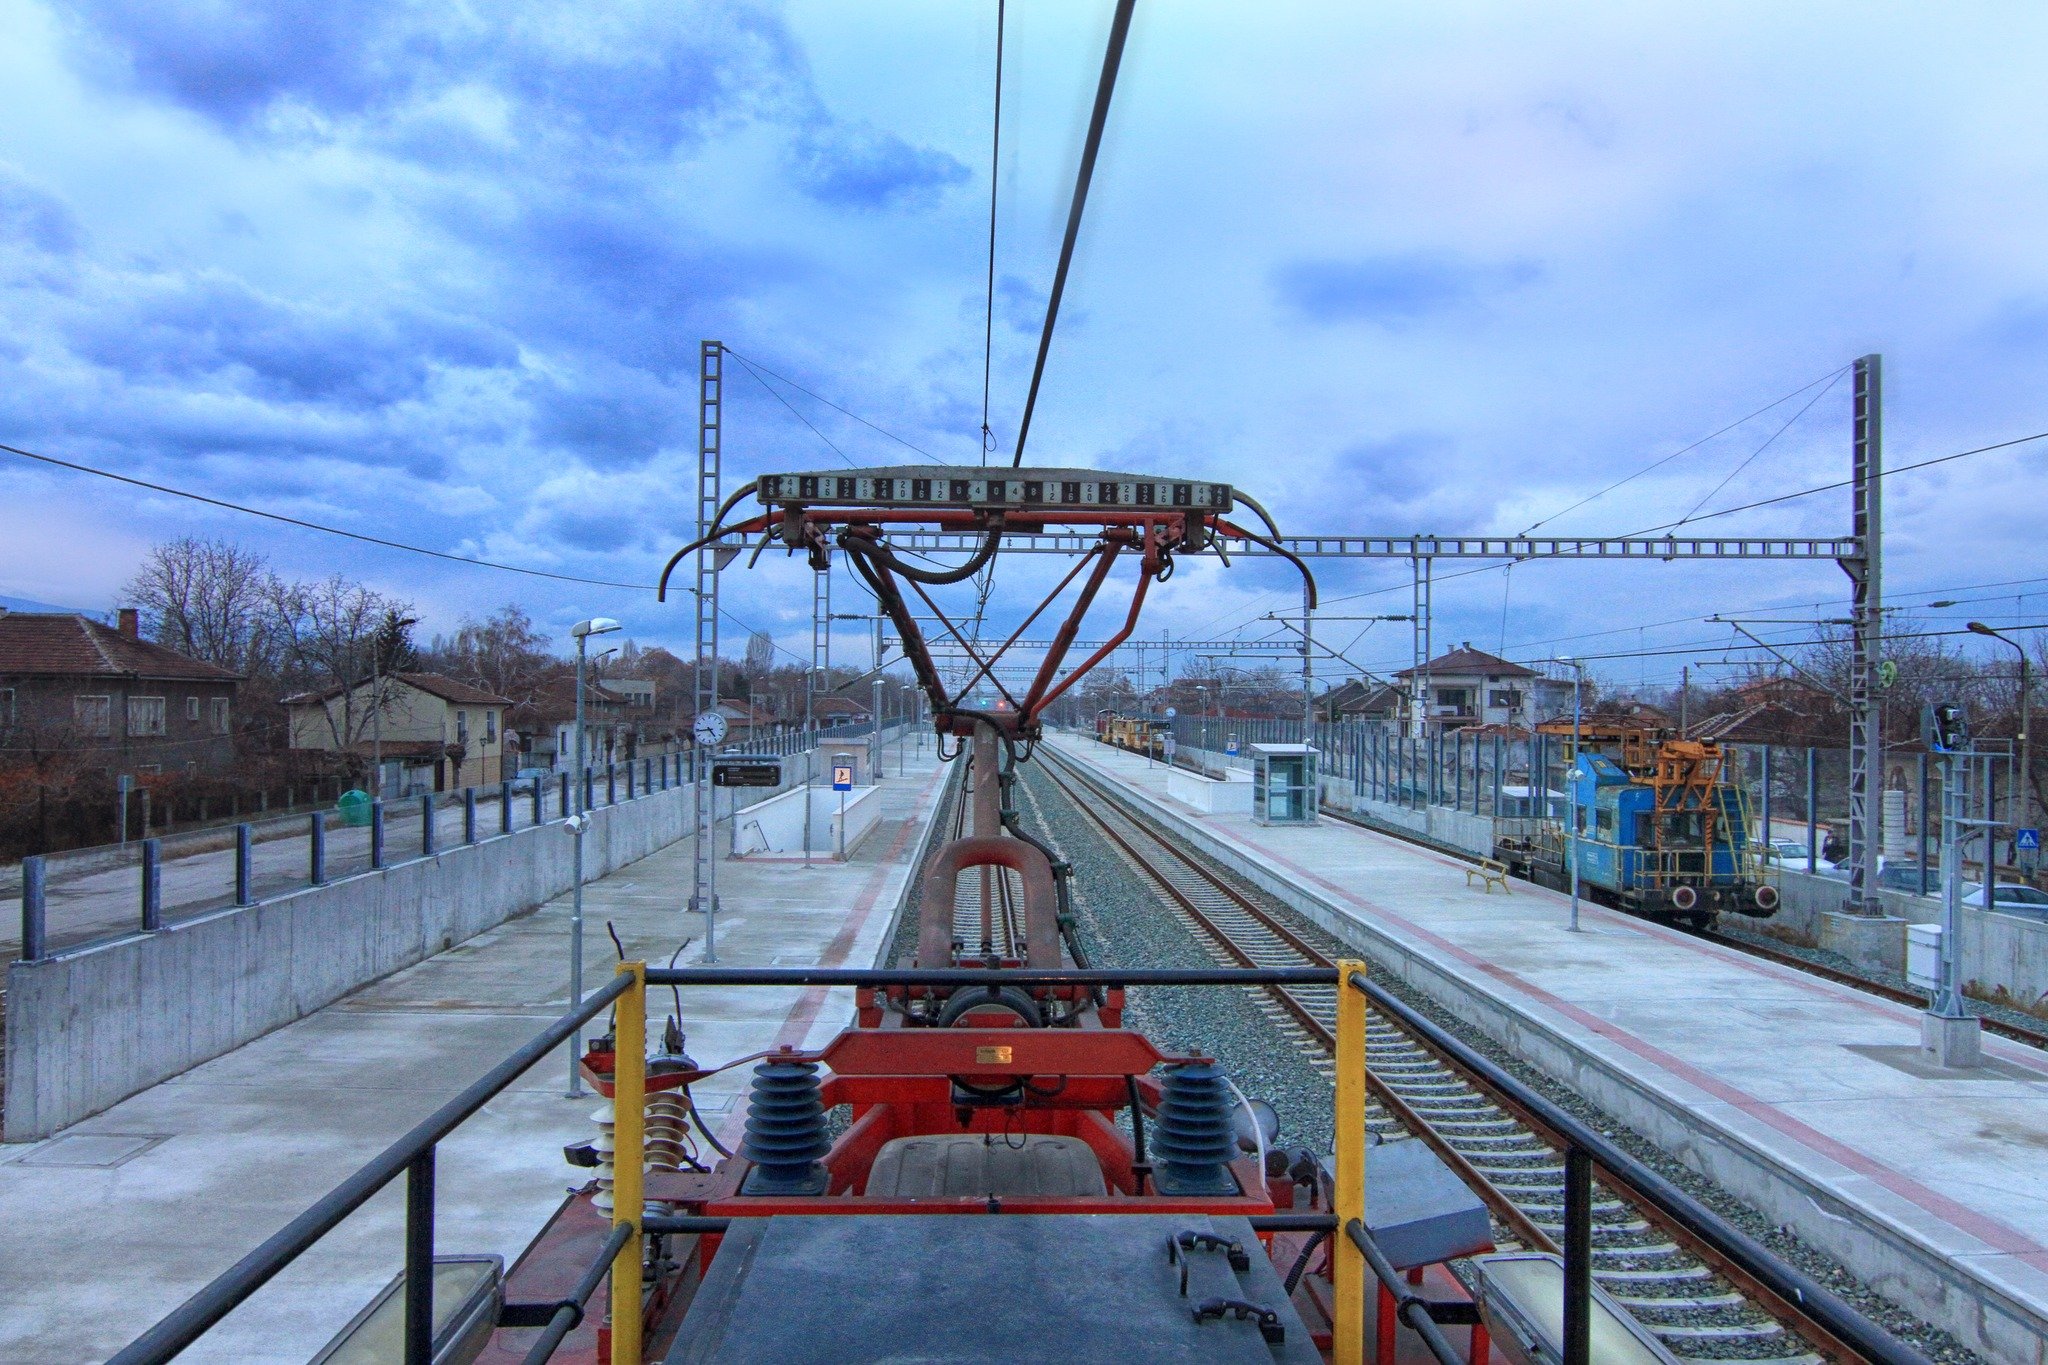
x: 1347, y: 1342
x: 629, y: 1159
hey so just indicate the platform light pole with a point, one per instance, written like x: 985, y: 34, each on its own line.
x: 2023, y: 793
x: 1573, y: 776
x: 582, y: 631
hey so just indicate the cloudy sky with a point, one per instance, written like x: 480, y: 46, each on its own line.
x: 439, y: 273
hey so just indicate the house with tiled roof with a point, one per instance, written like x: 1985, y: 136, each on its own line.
x: 111, y: 698
x: 425, y: 731
x: 1469, y: 687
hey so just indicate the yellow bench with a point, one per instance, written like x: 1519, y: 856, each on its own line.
x: 1491, y: 873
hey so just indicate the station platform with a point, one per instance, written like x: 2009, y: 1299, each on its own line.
x: 1808, y: 1099
x: 117, y: 1220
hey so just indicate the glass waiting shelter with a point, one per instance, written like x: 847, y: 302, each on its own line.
x: 1283, y: 784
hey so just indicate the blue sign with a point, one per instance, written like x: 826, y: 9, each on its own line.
x: 1231, y: 747
x: 842, y: 777
x: 2029, y: 841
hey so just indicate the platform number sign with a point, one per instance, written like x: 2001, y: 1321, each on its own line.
x: 842, y: 777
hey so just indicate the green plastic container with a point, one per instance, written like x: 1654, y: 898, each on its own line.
x: 354, y: 807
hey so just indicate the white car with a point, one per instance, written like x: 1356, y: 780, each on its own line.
x: 2011, y: 896
x: 1791, y: 854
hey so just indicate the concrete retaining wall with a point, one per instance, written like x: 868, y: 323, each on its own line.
x: 89, y: 1028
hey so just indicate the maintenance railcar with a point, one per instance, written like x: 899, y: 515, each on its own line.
x: 1658, y: 828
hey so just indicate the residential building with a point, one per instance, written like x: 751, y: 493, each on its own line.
x: 1468, y: 687
x: 430, y: 733
x: 116, y: 701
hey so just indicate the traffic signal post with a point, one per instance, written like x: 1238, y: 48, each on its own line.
x: 1950, y: 1035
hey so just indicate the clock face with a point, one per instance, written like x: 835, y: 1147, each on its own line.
x: 710, y: 728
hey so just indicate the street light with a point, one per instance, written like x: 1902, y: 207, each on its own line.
x: 377, y: 697
x: 1572, y: 778
x: 581, y: 631
x: 2023, y: 796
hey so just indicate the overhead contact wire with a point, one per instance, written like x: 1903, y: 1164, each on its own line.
x: 1105, y: 87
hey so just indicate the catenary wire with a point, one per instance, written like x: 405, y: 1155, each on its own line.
x: 772, y: 393
x: 1683, y: 450
x: 995, y: 154
x: 305, y: 525
x: 323, y: 529
x: 785, y: 379
x: 1112, y: 58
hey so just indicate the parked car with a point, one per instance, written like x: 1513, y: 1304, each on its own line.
x: 1790, y: 854
x: 2011, y: 896
x: 1905, y: 876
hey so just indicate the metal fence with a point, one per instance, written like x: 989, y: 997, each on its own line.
x: 146, y: 890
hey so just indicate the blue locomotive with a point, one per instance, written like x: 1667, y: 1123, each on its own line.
x: 1667, y: 837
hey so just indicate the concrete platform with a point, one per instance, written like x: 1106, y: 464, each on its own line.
x: 1808, y: 1099
x: 117, y: 1220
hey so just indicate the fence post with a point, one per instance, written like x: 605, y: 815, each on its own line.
x: 152, y: 885
x: 629, y: 779
x: 244, y: 839
x: 611, y: 784
x: 419, y: 1259
x: 376, y: 834
x: 34, y: 908
x: 589, y: 790
x: 426, y: 824
x: 539, y: 800
x: 1922, y: 822
x: 1578, y: 1256
x: 505, y: 805
x: 1813, y: 809
x: 316, y: 845
x: 562, y: 805
x: 469, y: 815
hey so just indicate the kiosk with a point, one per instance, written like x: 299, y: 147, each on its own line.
x: 1284, y: 784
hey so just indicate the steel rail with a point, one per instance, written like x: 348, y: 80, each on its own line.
x: 186, y: 1323
x: 1503, y: 1207
x: 1826, y: 1322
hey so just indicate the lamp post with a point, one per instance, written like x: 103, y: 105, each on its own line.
x: 582, y: 631
x: 1573, y: 776
x: 377, y: 695
x: 2022, y: 801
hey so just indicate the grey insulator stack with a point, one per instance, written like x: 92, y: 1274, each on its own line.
x: 785, y: 1131
x: 1192, y: 1142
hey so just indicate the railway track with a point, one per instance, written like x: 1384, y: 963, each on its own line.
x: 1700, y: 1306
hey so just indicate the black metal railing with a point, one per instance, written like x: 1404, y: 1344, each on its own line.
x: 411, y: 1156
x: 1585, y: 1149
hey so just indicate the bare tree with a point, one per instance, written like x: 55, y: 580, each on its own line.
x: 207, y: 600
x: 502, y: 653
x: 332, y: 636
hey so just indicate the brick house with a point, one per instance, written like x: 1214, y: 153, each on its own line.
x: 117, y: 701
x: 430, y: 733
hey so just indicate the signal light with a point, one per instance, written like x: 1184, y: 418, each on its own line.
x: 1945, y: 726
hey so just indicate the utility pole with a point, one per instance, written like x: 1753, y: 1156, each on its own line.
x: 1865, y: 570
x: 704, y: 809
x: 1308, y: 674
x: 1684, y: 696
x: 1418, y: 706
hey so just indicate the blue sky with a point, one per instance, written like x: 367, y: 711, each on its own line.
x: 440, y: 273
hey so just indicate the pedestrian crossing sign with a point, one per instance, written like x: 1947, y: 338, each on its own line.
x: 2030, y: 840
